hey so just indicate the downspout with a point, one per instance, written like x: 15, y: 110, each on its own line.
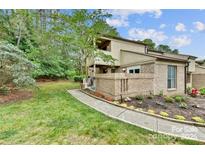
x: 185, y: 77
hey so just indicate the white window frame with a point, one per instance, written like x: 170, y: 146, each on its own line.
x: 173, y: 79
x: 133, y: 68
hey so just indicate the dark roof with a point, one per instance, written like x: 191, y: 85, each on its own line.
x: 123, y: 39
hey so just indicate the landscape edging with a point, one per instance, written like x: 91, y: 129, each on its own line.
x: 147, y: 113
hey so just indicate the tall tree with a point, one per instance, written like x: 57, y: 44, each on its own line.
x: 150, y: 43
x: 164, y: 48
x: 84, y: 28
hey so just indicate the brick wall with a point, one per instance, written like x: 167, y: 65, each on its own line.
x: 198, y: 81
x: 160, y: 78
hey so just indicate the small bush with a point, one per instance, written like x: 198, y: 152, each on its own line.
x: 4, y: 90
x: 124, y: 104
x: 150, y: 97
x: 139, y: 109
x: 161, y: 93
x: 131, y: 107
x: 198, y: 119
x: 164, y: 114
x: 169, y: 99
x: 70, y: 74
x: 151, y: 111
x: 189, y: 90
x: 139, y: 98
x: 194, y: 92
x: 183, y: 105
x: 179, y: 117
x: 179, y: 99
x: 202, y: 91
x: 78, y: 78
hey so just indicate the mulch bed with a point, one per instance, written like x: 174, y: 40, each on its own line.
x: 192, y: 110
x: 15, y: 95
x: 171, y: 108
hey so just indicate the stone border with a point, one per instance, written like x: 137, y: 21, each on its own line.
x: 147, y: 113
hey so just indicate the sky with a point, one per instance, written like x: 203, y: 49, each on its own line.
x: 180, y: 29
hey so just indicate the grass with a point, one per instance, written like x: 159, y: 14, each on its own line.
x: 55, y: 117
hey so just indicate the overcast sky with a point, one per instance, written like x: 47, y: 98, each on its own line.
x: 181, y: 29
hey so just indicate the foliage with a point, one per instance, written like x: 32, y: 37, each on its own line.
x: 78, y: 78
x: 151, y: 111
x: 4, y: 90
x: 14, y: 66
x: 189, y: 89
x: 150, y: 97
x: 161, y: 93
x: 202, y: 91
x: 179, y: 117
x: 132, y: 107
x: 139, y: 98
x: 194, y: 92
x: 55, y: 117
x: 179, y: 99
x: 164, y: 114
x: 198, y: 119
x: 183, y: 105
x: 169, y: 99
x: 56, y: 41
x: 166, y: 48
x: 151, y: 45
x: 70, y: 74
x: 123, y: 105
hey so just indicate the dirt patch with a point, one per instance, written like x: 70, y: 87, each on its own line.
x: 15, y: 95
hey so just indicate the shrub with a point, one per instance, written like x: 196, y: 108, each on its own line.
x: 70, y: 74
x: 78, y: 79
x: 4, y: 90
x: 164, y: 114
x: 179, y: 117
x: 179, y: 99
x: 183, y: 105
x: 14, y: 66
x: 131, y: 107
x: 202, y: 91
x: 151, y: 111
x: 124, y: 104
x: 169, y: 99
x: 194, y: 92
x: 150, y: 97
x: 161, y: 93
x: 189, y: 90
x: 139, y: 98
x: 198, y: 119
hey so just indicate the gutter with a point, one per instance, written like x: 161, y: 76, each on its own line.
x: 185, y: 77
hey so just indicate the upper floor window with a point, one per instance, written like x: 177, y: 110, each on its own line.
x: 104, y: 44
x: 133, y: 69
x: 172, y: 77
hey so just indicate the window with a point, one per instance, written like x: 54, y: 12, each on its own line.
x: 134, y: 69
x: 172, y: 76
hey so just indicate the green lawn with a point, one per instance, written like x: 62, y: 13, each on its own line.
x: 55, y: 117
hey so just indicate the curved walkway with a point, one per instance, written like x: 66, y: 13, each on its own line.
x: 141, y: 120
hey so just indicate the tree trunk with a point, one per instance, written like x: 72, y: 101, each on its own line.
x: 19, y: 38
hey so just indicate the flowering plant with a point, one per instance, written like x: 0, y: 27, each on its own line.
x: 194, y: 92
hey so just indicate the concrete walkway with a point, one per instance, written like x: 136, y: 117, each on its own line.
x: 141, y: 120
